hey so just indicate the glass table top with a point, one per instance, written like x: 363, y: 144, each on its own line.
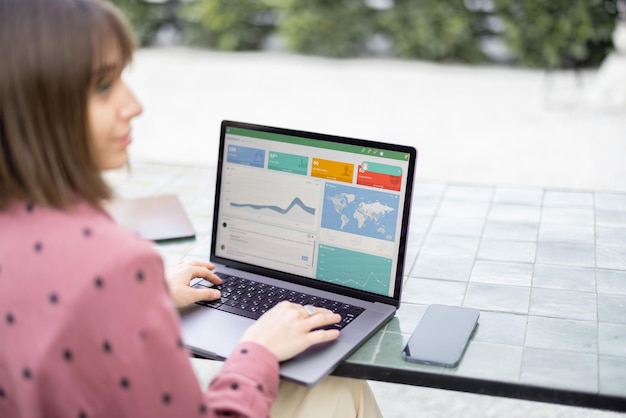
x: 546, y: 268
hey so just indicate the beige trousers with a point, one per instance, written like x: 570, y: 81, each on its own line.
x: 332, y: 397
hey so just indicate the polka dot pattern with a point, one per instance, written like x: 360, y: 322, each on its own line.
x: 98, y: 282
x: 53, y: 298
x: 133, y: 271
x: 124, y: 383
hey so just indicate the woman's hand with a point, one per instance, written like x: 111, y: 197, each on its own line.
x: 179, y: 277
x: 287, y: 329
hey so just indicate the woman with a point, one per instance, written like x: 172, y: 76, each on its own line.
x: 88, y: 327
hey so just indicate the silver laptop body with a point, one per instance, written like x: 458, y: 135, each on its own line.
x: 312, y: 213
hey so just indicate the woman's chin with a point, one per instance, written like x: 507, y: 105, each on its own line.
x: 114, y: 164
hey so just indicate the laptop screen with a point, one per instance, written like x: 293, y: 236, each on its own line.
x: 320, y: 207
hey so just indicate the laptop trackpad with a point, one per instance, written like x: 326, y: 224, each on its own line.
x: 306, y: 367
x: 202, y: 338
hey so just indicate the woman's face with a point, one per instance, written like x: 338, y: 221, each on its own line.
x: 110, y: 108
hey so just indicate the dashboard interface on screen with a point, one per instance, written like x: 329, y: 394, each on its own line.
x: 319, y: 209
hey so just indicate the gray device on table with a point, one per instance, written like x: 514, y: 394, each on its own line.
x: 441, y: 336
x: 310, y: 218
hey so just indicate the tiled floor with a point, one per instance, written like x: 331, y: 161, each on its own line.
x: 530, y: 259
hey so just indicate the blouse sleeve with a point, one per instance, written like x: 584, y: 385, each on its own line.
x: 128, y: 358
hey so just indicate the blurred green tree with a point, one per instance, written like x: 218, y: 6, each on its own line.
x: 145, y: 17
x: 434, y: 30
x: 558, y: 33
x: 333, y: 28
x: 229, y: 25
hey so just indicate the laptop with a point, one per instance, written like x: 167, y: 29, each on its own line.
x: 311, y: 218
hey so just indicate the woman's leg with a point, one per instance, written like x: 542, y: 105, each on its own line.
x: 205, y: 370
x: 332, y: 397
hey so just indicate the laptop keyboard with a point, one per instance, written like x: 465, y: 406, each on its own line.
x: 252, y: 299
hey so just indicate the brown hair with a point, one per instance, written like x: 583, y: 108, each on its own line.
x: 50, y: 50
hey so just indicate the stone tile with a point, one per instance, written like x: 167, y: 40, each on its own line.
x: 448, y: 267
x: 613, y: 258
x: 564, y: 278
x: 562, y: 334
x: 576, y: 255
x: 612, y: 282
x: 612, y: 339
x: 426, y: 190
x: 611, y: 201
x: 445, y: 245
x: 514, y: 213
x: 518, y: 196
x: 457, y: 227
x: 493, y: 361
x: 201, y: 247
x: 426, y: 292
x: 414, y: 242
x: 507, y: 250
x: 472, y: 193
x: 501, y: 328
x: 180, y: 247
x: 516, y: 231
x: 407, y: 318
x: 497, y: 272
x: 564, y: 304
x: 426, y: 204
x: 612, y: 372
x: 463, y: 209
x: 421, y: 218
x: 568, y: 199
x: 614, y: 236
x: 610, y: 217
x: 147, y: 179
x: 389, y: 354
x: 192, y: 181
x: 499, y: 298
x: 612, y: 308
x: 568, y: 216
x: 169, y: 258
x: 567, y: 234
x: 202, y: 223
x: 568, y: 370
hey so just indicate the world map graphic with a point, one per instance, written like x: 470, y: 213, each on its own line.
x: 360, y: 211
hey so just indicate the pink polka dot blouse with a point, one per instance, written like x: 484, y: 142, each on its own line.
x: 87, y: 328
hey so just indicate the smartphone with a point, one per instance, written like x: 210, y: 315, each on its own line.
x: 441, y: 336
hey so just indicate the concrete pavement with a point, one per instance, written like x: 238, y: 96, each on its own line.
x: 490, y: 125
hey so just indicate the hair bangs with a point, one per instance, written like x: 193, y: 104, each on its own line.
x: 113, y: 41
